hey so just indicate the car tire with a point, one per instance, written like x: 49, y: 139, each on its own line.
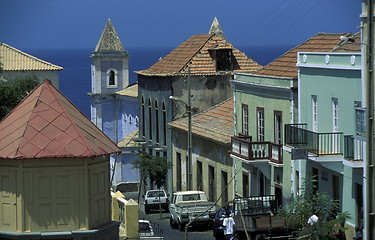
x: 181, y: 226
x: 147, y: 210
x: 172, y: 224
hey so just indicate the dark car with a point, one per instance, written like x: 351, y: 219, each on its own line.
x: 218, y: 222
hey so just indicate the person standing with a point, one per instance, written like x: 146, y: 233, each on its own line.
x: 228, y: 223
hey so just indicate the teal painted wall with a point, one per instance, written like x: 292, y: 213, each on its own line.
x: 345, y: 85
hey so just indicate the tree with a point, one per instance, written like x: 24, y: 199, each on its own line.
x: 14, y: 90
x: 312, y: 202
x: 152, y: 167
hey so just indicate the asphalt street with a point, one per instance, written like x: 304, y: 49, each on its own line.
x: 162, y: 222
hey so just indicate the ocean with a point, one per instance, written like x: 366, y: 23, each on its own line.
x: 75, y: 79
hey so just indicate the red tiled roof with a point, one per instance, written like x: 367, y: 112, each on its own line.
x: 285, y: 65
x: 195, y: 52
x: 47, y: 125
x: 216, y: 123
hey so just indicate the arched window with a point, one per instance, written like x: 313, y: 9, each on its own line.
x: 164, y: 124
x: 150, y: 118
x: 143, y: 119
x: 157, y: 121
x: 112, y: 78
x: 130, y: 119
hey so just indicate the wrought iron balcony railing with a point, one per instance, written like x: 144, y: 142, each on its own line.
x: 243, y: 147
x: 319, y: 144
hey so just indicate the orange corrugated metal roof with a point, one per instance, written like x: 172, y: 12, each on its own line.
x: 47, y: 125
x: 285, y: 65
x: 16, y: 60
x: 195, y: 52
x: 215, y: 123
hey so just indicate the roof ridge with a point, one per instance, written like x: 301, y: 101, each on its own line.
x: 196, y: 52
x: 24, y: 131
x: 52, y: 88
x: 30, y: 56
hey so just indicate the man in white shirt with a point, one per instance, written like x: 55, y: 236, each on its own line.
x: 228, y: 223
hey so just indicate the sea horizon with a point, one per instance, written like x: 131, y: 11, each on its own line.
x: 75, y: 78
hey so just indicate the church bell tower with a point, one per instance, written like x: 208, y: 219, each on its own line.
x: 109, y: 74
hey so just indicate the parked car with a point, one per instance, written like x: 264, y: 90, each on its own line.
x: 152, y: 198
x: 192, y: 206
x: 145, y: 228
x: 218, y: 228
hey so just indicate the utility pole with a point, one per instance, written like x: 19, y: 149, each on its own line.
x: 369, y: 80
x: 188, y: 109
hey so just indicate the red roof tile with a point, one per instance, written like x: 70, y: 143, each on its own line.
x: 216, y: 123
x: 195, y: 52
x: 285, y: 65
x: 47, y: 125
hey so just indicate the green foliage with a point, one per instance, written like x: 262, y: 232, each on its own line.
x: 312, y: 202
x: 155, y: 168
x: 14, y: 90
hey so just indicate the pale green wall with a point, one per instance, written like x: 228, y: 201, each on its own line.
x: 339, y: 78
x: 272, y: 94
x: 326, y: 83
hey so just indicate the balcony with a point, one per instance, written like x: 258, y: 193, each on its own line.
x: 244, y: 148
x: 353, y: 148
x: 318, y: 144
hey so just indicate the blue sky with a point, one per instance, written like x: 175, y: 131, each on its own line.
x: 36, y: 24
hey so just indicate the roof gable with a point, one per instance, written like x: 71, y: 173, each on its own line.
x: 215, y: 123
x: 47, y: 125
x: 195, y: 53
x: 285, y: 65
x: 16, y: 60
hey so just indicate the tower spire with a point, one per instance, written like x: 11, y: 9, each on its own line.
x: 216, y: 29
x: 109, y: 41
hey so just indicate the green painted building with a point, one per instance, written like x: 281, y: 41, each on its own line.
x: 331, y: 125
x: 275, y: 98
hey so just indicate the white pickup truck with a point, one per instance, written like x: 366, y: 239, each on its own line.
x: 190, y: 205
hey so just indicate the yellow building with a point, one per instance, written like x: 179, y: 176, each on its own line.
x: 14, y: 62
x: 54, y: 171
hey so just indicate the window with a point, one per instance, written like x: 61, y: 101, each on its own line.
x: 224, y: 60
x: 360, y: 118
x: 199, y: 176
x: 112, y: 78
x: 211, y: 183
x: 260, y: 124
x: 224, y: 188
x: 245, y: 119
x: 143, y: 119
x: 164, y: 124
x: 130, y: 119
x: 278, y: 127
x: 149, y: 119
x: 178, y: 172
x: 335, y: 114
x: 314, y: 108
x: 245, y: 184
x: 157, y: 121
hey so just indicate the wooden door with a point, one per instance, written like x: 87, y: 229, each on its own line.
x: 8, y: 217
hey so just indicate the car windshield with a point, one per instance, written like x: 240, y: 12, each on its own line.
x: 155, y: 194
x: 144, y: 227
